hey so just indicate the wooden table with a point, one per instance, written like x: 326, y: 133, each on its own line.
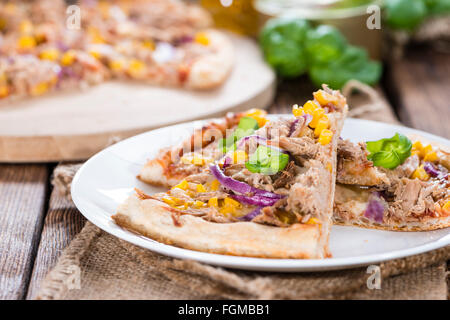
x: 36, y: 224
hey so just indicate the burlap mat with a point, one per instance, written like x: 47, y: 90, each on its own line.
x: 97, y: 265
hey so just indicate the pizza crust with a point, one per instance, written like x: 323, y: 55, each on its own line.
x: 350, y: 206
x: 443, y: 152
x: 427, y: 225
x: 211, y: 70
x: 153, y: 219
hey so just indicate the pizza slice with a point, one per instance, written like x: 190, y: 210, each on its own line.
x: 267, y: 190
x: 160, y: 42
x: 394, y: 184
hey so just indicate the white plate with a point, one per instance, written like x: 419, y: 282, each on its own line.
x: 110, y: 176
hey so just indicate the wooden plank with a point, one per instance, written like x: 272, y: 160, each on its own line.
x: 22, y: 207
x: 418, y: 86
x: 62, y: 222
x: 290, y: 92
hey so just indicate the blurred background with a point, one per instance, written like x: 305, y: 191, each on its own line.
x: 402, y: 47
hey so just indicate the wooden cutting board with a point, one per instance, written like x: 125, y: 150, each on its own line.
x: 76, y: 125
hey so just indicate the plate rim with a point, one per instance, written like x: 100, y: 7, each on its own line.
x: 250, y: 263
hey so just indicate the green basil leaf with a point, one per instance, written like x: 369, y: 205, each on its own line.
x: 390, y: 152
x: 282, y: 41
x: 353, y: 63
x: 386, y: 159
x: 248, y: 123
x: 267, y: 161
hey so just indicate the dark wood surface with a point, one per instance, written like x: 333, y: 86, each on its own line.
x: 36, y: 224
x: 419, y: 89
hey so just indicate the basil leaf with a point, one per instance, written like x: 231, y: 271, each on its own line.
x: 386, y: 159
x: 267, y: 161
x: 390, y: 152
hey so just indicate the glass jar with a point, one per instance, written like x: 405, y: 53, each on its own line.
x: 236, y: 15
x: 349, y: 16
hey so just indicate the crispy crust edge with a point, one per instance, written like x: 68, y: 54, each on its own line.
x: 247, y: 239
x: 436, y: 224
x: 210, y: 71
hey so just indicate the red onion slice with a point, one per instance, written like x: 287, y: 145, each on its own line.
x: 250, y: 216
x: 431, y: 169
x: 238, y: 186
x: 255, y: 200
x: 308, y: 118
x: 375, y: 208
x: 227, y: 162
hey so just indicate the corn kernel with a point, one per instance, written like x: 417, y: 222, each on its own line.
x: 446, y: 206
x: 231, y: 202
x: 325, y: 137
x: 4, y: 91
x: 239, y: 156
x: 215, y: 185
x: 95, y: 54
x: 417, y: 145
x: 26, y: 27
x: 170, y: 201
x: 198, y: 160
x: 259, y: 115
x: 256, y: 112
x: 296, y: 111
x: 309, y: 107
x: 261, y: 121
x: 116, y: 65
x: 322, y: 124
x: 431, y: 156
x: 39, y: 89
x: 95, y: 35
x: 213, y: 202
x: 50, y: 54
x: 68, y: 58
x: 200, y: 188
x: 227, y: 210
x: 26, y: 42
x: 329, y: 167
x: 420, y: 174
x: 317, y: 115
x: 149, y: 44
x: 313, y: 221
x: 426, y: 150
x: 136, y: 67
x: 202, y: 38
x: 183, y: 185
x: 199, y: 204
x: 324, y: 98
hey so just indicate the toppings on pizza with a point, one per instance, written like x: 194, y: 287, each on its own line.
x: 279, y: 174
x: 390, y: 152
x: 397, y: 184
x: 160, y: 42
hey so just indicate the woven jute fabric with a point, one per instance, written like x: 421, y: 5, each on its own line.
x: 97, y: 265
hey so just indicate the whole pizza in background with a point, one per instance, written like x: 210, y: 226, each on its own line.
x: 161, y: 42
